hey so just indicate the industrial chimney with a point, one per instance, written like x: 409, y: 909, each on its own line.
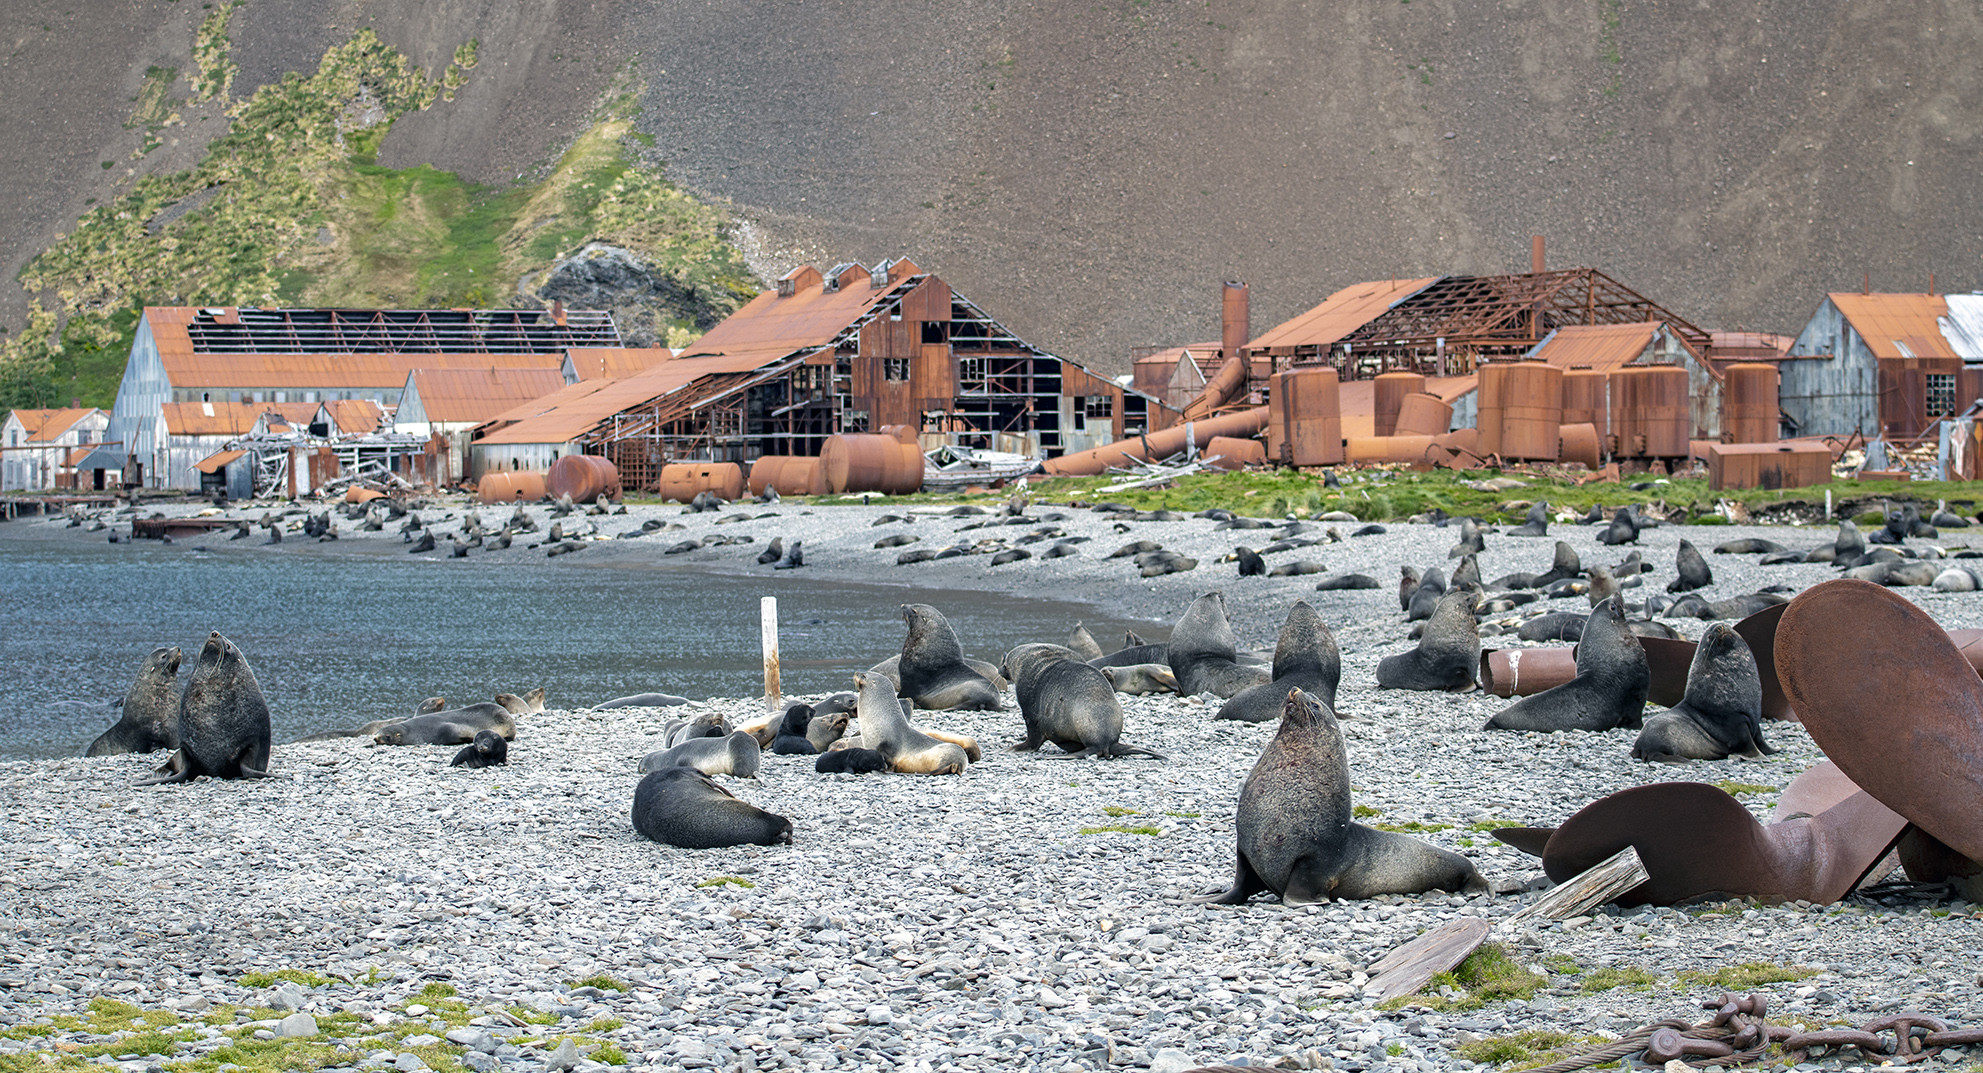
x: 1535, y: 254
x: 1234, y: 319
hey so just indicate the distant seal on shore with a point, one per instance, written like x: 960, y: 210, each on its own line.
x: 1347, y: 581
x: 150, y: 718
x: 456, y: 726
x: 1296, y: 835
x: 641, y: 700
x: 1306, y: 658
x: 1609, y: 690
x: 887, y: 731
x: 1448, y: 652
x: 932, y: 670
x: 487, y: 750
x: 1203, y: 654
x: 683, y: 807
x: 1694, y: 572
x: 529, y: 704
x: 736, y: 753
x: 223, y: 720
x: 1721, y: 714
x: 706, y: 725
x: 1065, y: 701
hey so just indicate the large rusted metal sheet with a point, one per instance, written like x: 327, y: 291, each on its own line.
x: 1889, y: 697
x: 1748, y: 402
x: 1650, y: 411
x: 1340, y: 314
x: 1521, y: 410
x: 1305, y: 419
x: 1421, y: 414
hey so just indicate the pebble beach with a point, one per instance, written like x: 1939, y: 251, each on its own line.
x: 374, y: 908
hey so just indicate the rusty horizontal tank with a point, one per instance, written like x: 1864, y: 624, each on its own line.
x: 1651, y: 411
x: 1422, y: 414
x: 1305, y: 418
x: 871, y: 462
x: 792, y: 475
x: 507, y: 486
x: 1390, y: 390
x: 1749, y: 403
x: 1156, y: 445
x: 357, y: 494
x: 683, y: 481
x: 1520, y: 410
x: 1585, y: 399
x: 1580, y: 443
x: 584, y: 478
x: 1231, y: 452
x: 1409, y: 449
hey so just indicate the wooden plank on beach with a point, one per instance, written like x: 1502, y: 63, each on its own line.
x: 1406, y: 969
x: 1582, y: 893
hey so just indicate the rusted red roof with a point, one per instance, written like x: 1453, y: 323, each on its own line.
x: 216, y: 461
x: 184, y: 330
x: 338, y: 371
x: 454, y: 396
x: 1897, y: 325
x: 615, y: 363
x: 1340, y: 314
x: 355, y: 416
x: 213, y: 418
x: 1602, y: 347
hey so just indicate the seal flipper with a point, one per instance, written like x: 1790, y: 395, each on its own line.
x: 1246, y: 883
x: 175, y: 769
x: 1308, y: 884
x: 1119, y: 749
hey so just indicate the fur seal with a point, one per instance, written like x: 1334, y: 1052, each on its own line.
x: 736, y: 753
x: 772, y: 552
x: 1466, y: 575
x: 1624, y: 528
x: 795, y: 557
x: 1134, y: 655
x: 1347, y: 581
x: 1694, y: 572
x: 1065, y: 701
x: 487, y: 750
x: 640, y: 700
x: 886, y: 730
x: 1447, y: 656
x: 1408, y: 582
x: 1609, y: 690
x: 1306, y: 658
x: 1750, y: 546
x: 706, y: 725
x: 223, y: 720
x: 1202, y: 653
x: 1722, y: 712
x: 1296, y: 837
x: 932, y: 668
x: 1139, y: 679
x: 1555, y: 626
x: 849, y: 762
x: 529, y: 704
x: 456, y: 726
x: 791, y: 739
x: 1250, y: 562
x: 1603, y: 585
x: 826, y: 727
x: 1084, y: 644
x: 1431, y: 586
x: 1470, y: 542
x: 1537, y: 522
x: 150, y: 718
x: 683, y: 807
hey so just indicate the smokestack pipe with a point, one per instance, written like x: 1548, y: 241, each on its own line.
x: 1535, y: 254
x: 1235, y: 318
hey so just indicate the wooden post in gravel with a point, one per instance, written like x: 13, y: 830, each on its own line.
x: 768, y: 626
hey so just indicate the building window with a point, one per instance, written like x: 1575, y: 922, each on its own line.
x: 206, y: 396
x: 971, y: 372
x: 1101, y: 406
x: 895, y: 369
x: 1941, y: 394
x: 934, y: 331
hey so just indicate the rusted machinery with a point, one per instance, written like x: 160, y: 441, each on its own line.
x: 1156, y: 445
x: 583, y: 478
x: 1422, y: 414
x: 795, y: 475
x: 1231, y: 452
x: 871, y: 462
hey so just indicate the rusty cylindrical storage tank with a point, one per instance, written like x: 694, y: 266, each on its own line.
x: 583, y: 477
x: 1585, y: 401
x: 1521, y: 410
x: 1422, y: 414
x: 1305, y: 417
x: 1390, y: 390
x: 507, y: 487
x: 1749, y: 403
x: 869, y: 462
x: 1231, y: 452
x: 682, y: 481
x: 1580, y: 443
x: 792, y: 475
x: 1650, y: 411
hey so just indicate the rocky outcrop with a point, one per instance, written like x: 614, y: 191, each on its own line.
x: 645, y: 300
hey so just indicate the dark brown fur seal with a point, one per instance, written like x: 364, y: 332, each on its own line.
x: 487, y: 750
x: 1609, y: 689
x: 1065, y: 701
x: 932, y: 668
x: 681, y: 806
x: 150, y: 716
x: 1202, y: 652
x: 1306, y: 658
x: 1448, y: 653
x: 223, y: 720
x: 1722, y: 712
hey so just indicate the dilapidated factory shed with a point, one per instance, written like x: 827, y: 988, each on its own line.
x: 1885, y: 365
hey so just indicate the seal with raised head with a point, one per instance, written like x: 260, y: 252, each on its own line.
x: 223, y: 720
x: 1203, y: 654
x: 150, y: 719
x: 1537, y: 522
x: 1065, y: 701
x: 790, y: 739
x: 1609, y: 690
x: 1084, y: 643
x: 886, y: 730
x: 932, y: 669
x: 1721, y: 714
x: 1694, y: 572
x: 680, y: 806
x: 1306, y: 658
x: 456, y: 726
x: 487, y: 750
x: 1295, y: 829
x: 736, y: 753
x: 529, y: 704
x: 1448, y: 652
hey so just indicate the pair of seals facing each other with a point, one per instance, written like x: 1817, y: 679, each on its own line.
x: 1203, y: 655
x: 1065, y: 701
x: 1609, y: 690
x: 223, y: 720
x: 1296, y: 837
x: 150, y: 717
x: 680, y: 806
x: 932, y: 670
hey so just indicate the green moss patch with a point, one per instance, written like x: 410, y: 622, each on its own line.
x: 727, y: 881
x: 1636, y: 979
x: 1749, y: 974
x: 1487, y: 975
x: 300, y: 977
x: 602, y: 982
x: 1522, y: 1050
x: 1737, y: 789
x: 1122, y: 829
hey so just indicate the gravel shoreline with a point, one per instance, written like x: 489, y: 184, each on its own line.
x: 919, y: 923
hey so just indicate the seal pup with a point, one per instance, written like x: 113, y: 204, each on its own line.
x: 1305, y: 658
x: 640, y: 700
x: 1140, y: 679
x: 683, y: 807
x: 932, y: 668
x: 223, y: 720
x: 1609, y: 690
x: 706, y: 725
x: 1694, y: 572
x: 795, y: 557
x: 1296, y: 836
x: 1065, y: 701
x: 791, y: 739
x: 487, y: 750
x: 1448, y: 652
x: 1470, y: 542
x: 1203, y: 654
x: 150, y: 717
x: 1250, y: 562
x: 736, y: 753
x: 1722, y: 712
x: 886, y: 730
x: 849, y: 762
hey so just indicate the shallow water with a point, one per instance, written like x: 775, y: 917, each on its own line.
x: 340, y: 641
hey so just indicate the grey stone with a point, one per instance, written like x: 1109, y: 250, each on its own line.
x: 297, y: 1026
x: 565, y: 1056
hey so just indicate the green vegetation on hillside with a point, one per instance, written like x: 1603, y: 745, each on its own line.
x: 290, y: 206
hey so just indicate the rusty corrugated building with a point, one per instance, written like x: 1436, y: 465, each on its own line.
x: 1885, y: 365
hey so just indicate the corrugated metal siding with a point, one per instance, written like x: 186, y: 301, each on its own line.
x: 1835, y: 396
x: 141, y: 395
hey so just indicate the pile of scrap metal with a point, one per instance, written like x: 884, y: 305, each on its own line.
x: 1896, y: 704
x: 952, y: 468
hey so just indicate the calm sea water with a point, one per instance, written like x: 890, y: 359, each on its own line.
x: 336, y: 642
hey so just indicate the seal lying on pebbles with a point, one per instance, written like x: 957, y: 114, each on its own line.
x: 487, y: 750
x: 886, y: 730
x: 1722, y: 712
x: 736, y: 753
x: 1065, y: 701
x: 932, y: 669
x: 1347, y: 581
x: 529, y: 704
x: 706, y: 725
x: 456, y: 726
x: 849, y: 762
x: 683, y: 807
x: 1295, y: 832
x: 1624, y: 528
x: 1202, y: 652
x: 1306, y: 658
x: 1609, y: 690
x: 640, y: 700
x: 1140, y: 679
x: 150, y: 719
x: 223, y: 720
x: 1448, y: 653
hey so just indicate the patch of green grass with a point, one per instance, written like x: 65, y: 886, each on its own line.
x: 1118, y: 810
x: 1413, y: 827
x: 1394, y: 1048
x: 1530, y: 1047
x: 1562, y: 964
x: 532, y: 1016
x: 109, y: 1015
x: 1487, y: 975
x: 718, y: 881
x: 301, y: 977
x: 1606, y: 979
x: 1182, y: 815
x: 1364, y: 812
x: 436, y: 991
x: 271, y: 1056
x: 1743, y: 977
x: 374, y: 976
x: 605, y: 1024
x: 1122, y: 829
x: 1485, y: 826
x: 1738, y: 788
x: 610, y: 1053
x: 601, y: 981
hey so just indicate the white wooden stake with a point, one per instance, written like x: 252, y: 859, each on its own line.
x: 768, y: 626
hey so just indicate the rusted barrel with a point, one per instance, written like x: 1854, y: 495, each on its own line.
x: 1368, y: 449
x: 1580, y: 444
x: 1585, y: 401
x: 1228, y: 452
x: 1423, y: 414
x: 1749, y: 403
x: 510, y: 486
x: 904, y: 433
x: 583, y: 477
x: 683, y: 481
x: 870, y: 462
x: 1461, y: 439
x: 1390, y: 390
x: 792, y: 475
x: 1522, y: 672
x: 1305, y: 417
x: 1159, y: 444
x: 1651, y: 412
x: 1531, y: 410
